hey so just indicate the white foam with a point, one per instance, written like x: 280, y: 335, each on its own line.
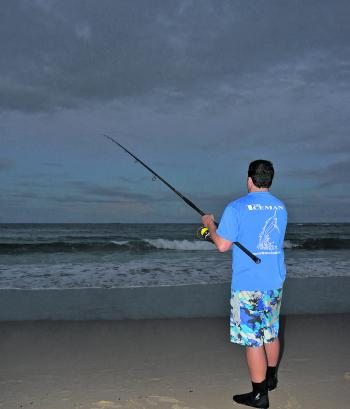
x: 189, y: 245
x: 158, y: 268
x: 180, y: 244
x: 287, y: 244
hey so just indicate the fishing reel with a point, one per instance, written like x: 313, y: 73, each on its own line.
x: 204, y: 234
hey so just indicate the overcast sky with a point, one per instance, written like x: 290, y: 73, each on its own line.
x: 197, y: 89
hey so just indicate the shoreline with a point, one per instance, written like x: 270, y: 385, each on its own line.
x: 300, y: 296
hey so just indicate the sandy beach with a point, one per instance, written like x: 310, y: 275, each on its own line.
x: 167, y: 364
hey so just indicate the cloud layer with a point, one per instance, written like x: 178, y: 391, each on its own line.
x: 61, y: 54
x: 195, y: 88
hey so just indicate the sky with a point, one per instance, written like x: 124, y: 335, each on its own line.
x: 196, y: 89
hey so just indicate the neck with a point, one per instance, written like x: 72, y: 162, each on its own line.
x: 257, y: 189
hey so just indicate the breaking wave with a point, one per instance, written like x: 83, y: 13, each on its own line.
x: 147, y: 245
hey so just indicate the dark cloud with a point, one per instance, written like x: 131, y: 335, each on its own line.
x: 53, y: 164
x: 6, y: 164
x: 80, y: 192
x: 87, y: 200
x: 62, y: 54
x: 336, y: 174
x: 133, y: 180
x: 316, y: 207
x: 115, y: 192
x: 24, y: 195
x: 324, y: 176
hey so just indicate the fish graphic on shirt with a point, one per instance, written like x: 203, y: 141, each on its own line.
x: 265, y: 242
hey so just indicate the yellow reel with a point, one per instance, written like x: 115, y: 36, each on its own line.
x: 203, y: 233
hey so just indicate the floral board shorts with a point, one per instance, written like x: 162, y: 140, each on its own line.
x: 254, y: 317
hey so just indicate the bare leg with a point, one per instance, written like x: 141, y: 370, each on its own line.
x: 257, y: 363
x: 272, y: 352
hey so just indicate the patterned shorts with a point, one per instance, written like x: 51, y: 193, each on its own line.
x: 254, y: 318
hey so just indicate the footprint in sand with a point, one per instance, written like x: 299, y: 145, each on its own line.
x: 107, y: 404
x: 11, y: 381
x: 165, y: 402
x: 292, y: 402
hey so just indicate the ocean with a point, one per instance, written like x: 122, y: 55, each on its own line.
x: 42, y: 256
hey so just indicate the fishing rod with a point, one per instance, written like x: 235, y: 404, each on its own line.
x: 203, y: 231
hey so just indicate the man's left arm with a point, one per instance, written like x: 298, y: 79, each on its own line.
x: 221, y: 244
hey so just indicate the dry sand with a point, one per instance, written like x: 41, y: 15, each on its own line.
x: 166, y: 364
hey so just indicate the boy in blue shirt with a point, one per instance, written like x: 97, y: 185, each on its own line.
x: 258, y: 221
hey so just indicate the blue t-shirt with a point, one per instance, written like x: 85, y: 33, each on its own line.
x: 258, y: 221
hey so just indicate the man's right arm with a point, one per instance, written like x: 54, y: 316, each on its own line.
x: 221, y: 244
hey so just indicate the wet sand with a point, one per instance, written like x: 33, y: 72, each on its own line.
x: 167, y: 364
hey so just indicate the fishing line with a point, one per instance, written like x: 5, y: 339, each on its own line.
x: 203, y: 232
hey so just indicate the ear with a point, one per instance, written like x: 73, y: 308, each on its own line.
x: 249, y: 182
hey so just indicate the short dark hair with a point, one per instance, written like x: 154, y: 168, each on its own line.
x: 261, y: 172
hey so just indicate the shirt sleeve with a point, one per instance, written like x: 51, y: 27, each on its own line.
x: 228, y: 227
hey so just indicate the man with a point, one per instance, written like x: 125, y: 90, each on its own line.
x: 258, y: 221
